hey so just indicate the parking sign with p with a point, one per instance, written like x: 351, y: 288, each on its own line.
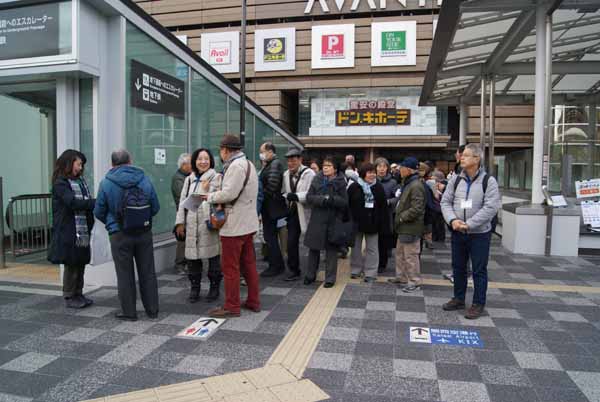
x: 332, y: 46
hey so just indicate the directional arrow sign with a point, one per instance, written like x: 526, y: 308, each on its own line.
x: 420, y: 335
x: 202, y: 328
x: 137, y: 84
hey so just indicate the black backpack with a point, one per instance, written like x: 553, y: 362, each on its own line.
x: 484, y: 185
x: 135, y: 214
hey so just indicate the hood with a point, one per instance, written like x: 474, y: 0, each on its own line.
x: 385, y: 178
x: 125, y: 176
x: 410, y: 179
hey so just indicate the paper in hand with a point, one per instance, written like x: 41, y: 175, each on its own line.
x: 191, y: 203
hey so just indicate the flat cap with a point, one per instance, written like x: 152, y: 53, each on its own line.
x: 231, y: 141
x: 293, y: 152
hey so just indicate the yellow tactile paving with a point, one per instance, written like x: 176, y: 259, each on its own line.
x: 136, y: 396
x: 32, y: 272
x: 269, y: 376
x: 305, y: 391
x: 228, y: 384
x: 183, y: 392
x: 260, y: 395
x: 296, y: 349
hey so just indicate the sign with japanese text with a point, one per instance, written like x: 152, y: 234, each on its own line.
x: 587, y: 188
x: 274, y: 50
x: 155, y: 91
x: 394, y: 43
x: 439, y: 336
x: 332, y: 46
x: 381, y: 112
x: 31, y: 31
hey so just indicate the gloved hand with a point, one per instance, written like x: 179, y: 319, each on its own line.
x: 292, y: 197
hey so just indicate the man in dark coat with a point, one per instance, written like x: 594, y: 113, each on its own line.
x: 273, y: 208
x: 125, y: 245
x: 409, y: 225
x: 185, y: 168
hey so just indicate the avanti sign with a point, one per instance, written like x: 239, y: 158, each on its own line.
x: 373, y: 4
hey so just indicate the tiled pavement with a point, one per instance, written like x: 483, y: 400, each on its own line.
x: 538, y: 346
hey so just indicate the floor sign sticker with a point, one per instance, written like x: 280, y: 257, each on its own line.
x: 202, y: 329
x: 439, y: 336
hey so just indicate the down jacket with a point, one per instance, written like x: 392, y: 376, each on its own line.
x: 200, y: 242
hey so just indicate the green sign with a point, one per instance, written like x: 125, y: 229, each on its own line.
x: 393, y: 43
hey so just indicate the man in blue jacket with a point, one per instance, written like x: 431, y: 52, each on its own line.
x: 126, y: 204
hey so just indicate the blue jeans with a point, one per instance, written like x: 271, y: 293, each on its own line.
x: 477, y: 247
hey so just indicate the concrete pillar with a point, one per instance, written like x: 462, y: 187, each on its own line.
x: 464, y: 124
x: 540, y: 105
x: 482, y: 120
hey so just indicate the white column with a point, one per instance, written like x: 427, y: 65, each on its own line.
x: 540, y: 105
x: 491, y: 166
x: 482, y: 120
x: 464, y: 124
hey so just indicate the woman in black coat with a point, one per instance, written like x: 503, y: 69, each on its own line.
x: 329, y: 219
x: 72, y: 222
x: 369, y: 211
x: 386, y: 231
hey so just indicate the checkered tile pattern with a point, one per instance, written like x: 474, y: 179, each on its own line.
x: 539, y: 346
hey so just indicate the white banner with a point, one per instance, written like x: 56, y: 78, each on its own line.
x: 222, y: 51
x: 332, y: 46
x: 275, y: 49
x: 394, y: 43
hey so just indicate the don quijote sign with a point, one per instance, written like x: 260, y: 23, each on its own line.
x: 354, y: 5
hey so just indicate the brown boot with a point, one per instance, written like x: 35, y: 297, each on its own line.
x: 220, y: 312
x: 454, y: 304
x: 474, y: 312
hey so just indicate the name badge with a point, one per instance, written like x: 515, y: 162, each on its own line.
x: 369, y: 205
x: 466, y: 204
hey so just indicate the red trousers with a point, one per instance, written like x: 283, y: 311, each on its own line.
x: 237, y: 255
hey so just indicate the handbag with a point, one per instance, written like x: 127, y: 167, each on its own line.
x: 341, y: 232
x: 218, y: 217
x: 185, y: 213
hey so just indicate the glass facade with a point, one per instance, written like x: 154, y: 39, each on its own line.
x: 86, y: 128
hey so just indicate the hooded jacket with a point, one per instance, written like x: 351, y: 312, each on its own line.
x: 110, y: 193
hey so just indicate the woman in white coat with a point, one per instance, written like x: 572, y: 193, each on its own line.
x: 200, y: 241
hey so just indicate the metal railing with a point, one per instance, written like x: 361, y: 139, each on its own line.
x: 2, y: 251
x: 29, y: 223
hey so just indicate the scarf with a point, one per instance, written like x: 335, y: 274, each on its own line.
x: 82, y: 234
x: 366, y: 188
x: 230, y: 161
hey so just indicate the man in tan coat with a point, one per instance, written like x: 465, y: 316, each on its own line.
x: 238, y: 193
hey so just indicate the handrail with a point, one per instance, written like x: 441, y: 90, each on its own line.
x: 28, y: 218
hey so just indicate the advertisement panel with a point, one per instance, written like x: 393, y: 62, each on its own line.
x: 275, y: 49
x: 221, y: 50
x: 394, y: 43
x: 332, y: 46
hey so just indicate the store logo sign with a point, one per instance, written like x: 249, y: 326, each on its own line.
x: 393, y: 43
x: 373, y: 4
x: 332, y: 46
x: 274, y: 50
x: 220, y: 53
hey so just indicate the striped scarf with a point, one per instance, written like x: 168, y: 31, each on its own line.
x: 82, y: 234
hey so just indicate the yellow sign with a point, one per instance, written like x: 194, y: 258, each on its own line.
x: 373, y: 117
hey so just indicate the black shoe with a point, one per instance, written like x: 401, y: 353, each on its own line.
x: 292, y: 277
x: 194, y: 288
x: 381, y: 270
x: 213, y: 292
x: 152, y: 316
x: 269, y: 273
x: 88, y: 302
x: 328, y: 284
x: 308, y: 281
x: 124, y: 317
x: 75, y: 302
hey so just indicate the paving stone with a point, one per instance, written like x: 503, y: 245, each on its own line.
x: 449, y: 354
x: 577, y: 301
x: 95, y: 311
x: 458, y: 372
x: 64, y: 367
x: 341, y: 334
x: 326, y: 379
x: 33, y: 385
x: 135, y: 327
x: 380, y: 315
x: 545, y: 325
x: 549, y: 378
x: 13, y: 398
x: 272, y: 327
x: 90, y: 351
x: 179, y: 319
x: 415, y: 369
x: 483, y: 321
x: 542, y: 361
x: 458, y: 391
x: 199, y: 365
x: 377, y: 336
x: 275, y: 291
x: 331, y: 361
x: 555, y: 394
x: 246, y: 323
x: 569, y: 317
x: 503, y: 313
x: 161, y: 360
x: 407, y: 316
x: 111, y: 390
x: 511, y: 393
x: 415, y: 389
x: 499, y: 357
x: 82, y: 335
x: 28, y: 362
x: 504, y: 375
x: 585, y: 380
x: 523, y: 340
x: 336, y: 346
x: 138, y: 377
x: 133, y: 351
x: 345, y: 312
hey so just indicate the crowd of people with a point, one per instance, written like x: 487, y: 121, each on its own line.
x: 334, y: 206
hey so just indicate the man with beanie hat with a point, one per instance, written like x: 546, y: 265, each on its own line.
x: 409, y: 226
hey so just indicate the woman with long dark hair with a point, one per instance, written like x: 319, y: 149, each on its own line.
x: 201, y: 242
x: 72, y: 222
